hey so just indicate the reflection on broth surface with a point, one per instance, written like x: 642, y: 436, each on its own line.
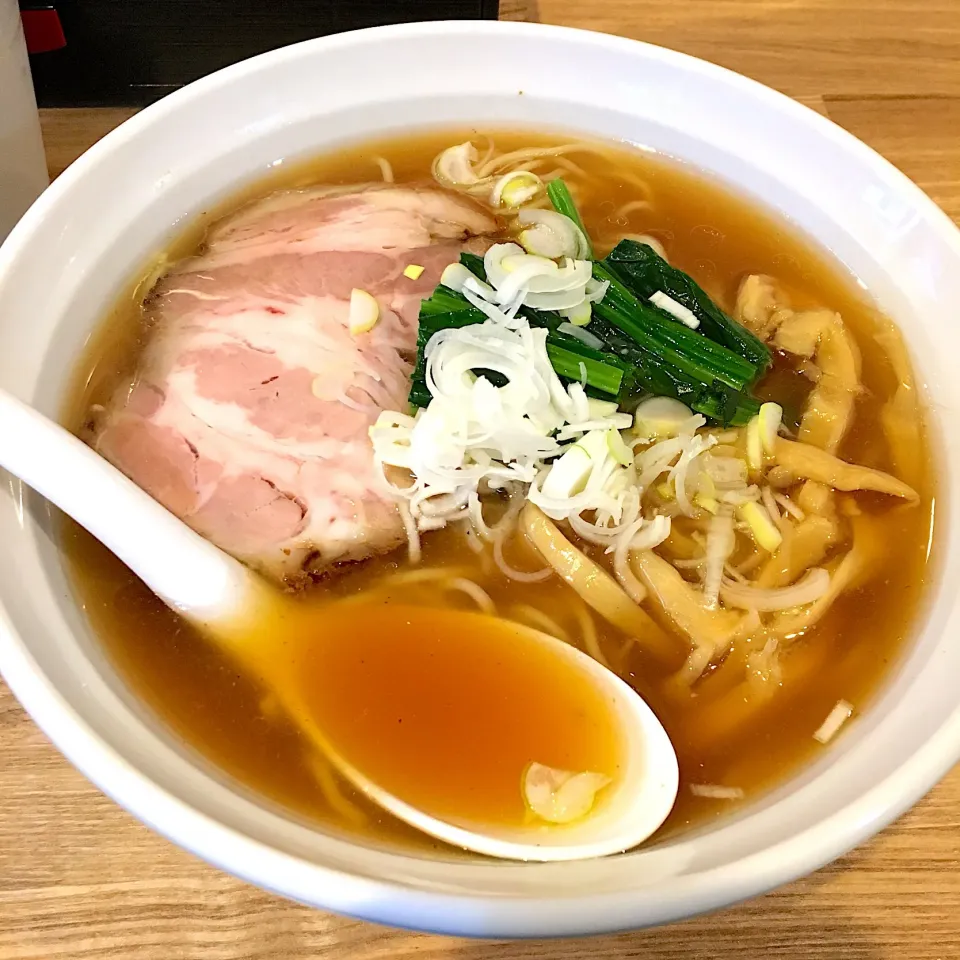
x: 743, y: 710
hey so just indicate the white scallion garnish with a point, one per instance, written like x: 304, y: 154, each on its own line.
x: 474, y: 433
x: 364, y: 312
x: 721, y: 542
x: 515, y: 188
x: 762, y: 528
x: 714, y: 791
x: 676, y: 310
x: 550, y: 234
x: 584, y: 336
x: 754, y: 444
x: 568, y: 474
x: 659, y: 418
x: 618, y: 449
x: 579, y: 316
x: 768, y: 424
x: 561, y: 796
x: 456, y: 276
x: 837, y: 717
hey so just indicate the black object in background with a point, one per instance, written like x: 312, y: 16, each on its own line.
x: 131, y: 52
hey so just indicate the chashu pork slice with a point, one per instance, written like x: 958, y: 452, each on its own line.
x: 249, y: 411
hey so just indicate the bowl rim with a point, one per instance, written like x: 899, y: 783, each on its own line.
x: 388, y: 901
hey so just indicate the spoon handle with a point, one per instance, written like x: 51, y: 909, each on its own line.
x: 186, y: 571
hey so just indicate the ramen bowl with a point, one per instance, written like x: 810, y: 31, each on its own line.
x: 80, y: 244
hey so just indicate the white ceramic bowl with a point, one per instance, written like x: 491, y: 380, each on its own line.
x: 80, y: 243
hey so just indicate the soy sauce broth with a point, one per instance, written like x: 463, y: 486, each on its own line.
x: 718, y: 238
x: 447, y: 709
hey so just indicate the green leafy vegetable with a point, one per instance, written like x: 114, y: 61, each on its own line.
x: 645, y: 272
x: 645, y: 350
x: 445, y: 308
x: 685, y: 349
x: 475, y: 265
x: 648, y: 373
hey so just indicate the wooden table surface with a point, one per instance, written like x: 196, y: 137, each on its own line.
x: 79, y: 878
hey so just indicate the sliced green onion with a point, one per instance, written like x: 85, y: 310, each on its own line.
x: 364, y: 312
x: 562, y: 200
x: 579, y: 315
x: 568, y: 474
x: 548, y: 233
x: 618, y: 449
x: 761, y: 526
x: 754, y: 444
x: 769, y: 420
x: 659, y: 418
x: 515, y: 188
x: 579, y: 333
x: 676, y: 310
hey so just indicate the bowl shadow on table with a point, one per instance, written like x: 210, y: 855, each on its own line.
x: 805, y: 921
x: 788, y: 929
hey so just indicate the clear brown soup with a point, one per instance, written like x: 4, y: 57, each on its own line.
x: 718, y: 238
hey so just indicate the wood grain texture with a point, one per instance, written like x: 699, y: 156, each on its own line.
x: 70, y: 131
x: 79, y: 878
x: 862, y: 48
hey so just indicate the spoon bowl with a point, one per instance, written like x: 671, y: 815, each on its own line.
x: 625, y: 813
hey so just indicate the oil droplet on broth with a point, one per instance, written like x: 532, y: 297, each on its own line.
x: 446, y: 709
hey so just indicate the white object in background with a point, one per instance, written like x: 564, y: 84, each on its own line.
x: 23, y: 168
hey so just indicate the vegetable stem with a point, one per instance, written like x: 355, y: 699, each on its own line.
x: 561, y: 198
x: 601, y: 374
